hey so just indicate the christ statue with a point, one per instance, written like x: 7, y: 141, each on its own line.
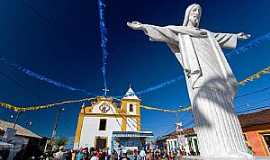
x: 210, y: 81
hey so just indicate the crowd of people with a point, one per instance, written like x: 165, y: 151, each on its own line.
x: 95, y: 154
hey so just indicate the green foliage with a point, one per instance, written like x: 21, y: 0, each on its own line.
x: 62, y: 141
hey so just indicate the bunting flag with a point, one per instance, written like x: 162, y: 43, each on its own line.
x: 182, y: 109
x: 40, y: 77
x: 255, y: 76
x: 39, y: 107
x: 160, y: 85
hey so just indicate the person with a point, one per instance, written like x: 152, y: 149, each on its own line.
x: 148, y: 155
x: 79, y: 155
x: 85, y: 153
x: 125, y: 157
x: 95, y: 156
x: 74, y: 152
x: 163, y: 156
x: 135, y: 154
x: 69, y: 155
x: 114, y: 155
x: 142, y: 154
x: 170, y: 156
x: 92, y: 149
x: 102, y: 155
x: 61, y: 154
x: 107, y: 154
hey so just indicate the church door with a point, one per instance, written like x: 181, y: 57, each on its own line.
x: 101, y: 142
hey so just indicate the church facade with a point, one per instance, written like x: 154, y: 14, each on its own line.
x: 105, y: 115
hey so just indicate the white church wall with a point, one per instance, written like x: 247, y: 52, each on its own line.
x: 90, y: 130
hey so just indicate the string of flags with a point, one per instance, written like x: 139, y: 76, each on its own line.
x: 104, y: 39
x: 41, y: 77
x: 255, y: 76
x: 181, y: 109
x: 47, y: 106
x: 39, y: 107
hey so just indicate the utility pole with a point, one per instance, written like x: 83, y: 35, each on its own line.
x: 56, y: 121
x: 16, y: 119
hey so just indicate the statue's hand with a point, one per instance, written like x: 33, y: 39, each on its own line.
x: 243, y: 36
x: 135, y: 25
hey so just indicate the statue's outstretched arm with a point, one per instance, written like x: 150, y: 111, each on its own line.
x: 243, y: 36
x: 156, y: 33
x: 229, y: 40
x: 135, y: 25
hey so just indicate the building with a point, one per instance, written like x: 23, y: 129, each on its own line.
x: 131, y: 140
x: 255, y: 127
x: 17, y: 141
x: 256, y: 130
x: 105, y: 115
x: 185, y: 140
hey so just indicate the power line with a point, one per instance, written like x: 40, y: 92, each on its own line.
x: 13, y: 80
x: 261, y: 102
x: 36, y: 12
x: 251, y: 44
x: 18, y: 84
x: 254, y: 109
x: 254, y: 92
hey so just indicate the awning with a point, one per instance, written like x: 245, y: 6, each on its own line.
x: 142, y: 134
x: 4, y: 145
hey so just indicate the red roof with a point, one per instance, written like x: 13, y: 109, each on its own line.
x: 255, y: 118
x: 186, y: 131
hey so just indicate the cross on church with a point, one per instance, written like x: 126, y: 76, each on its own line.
x: 105, y: 91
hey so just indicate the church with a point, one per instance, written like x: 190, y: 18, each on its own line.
x: 102, y: 121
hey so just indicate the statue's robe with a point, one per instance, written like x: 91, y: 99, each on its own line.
x: 210, y: 82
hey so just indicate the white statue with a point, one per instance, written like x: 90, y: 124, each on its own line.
x: 210, y: 81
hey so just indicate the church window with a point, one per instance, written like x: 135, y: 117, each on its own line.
x: 131, y: 109
x: 102, y: 124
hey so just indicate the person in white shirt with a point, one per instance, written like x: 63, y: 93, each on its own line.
x: 60, y: 155
x: 143, y: 154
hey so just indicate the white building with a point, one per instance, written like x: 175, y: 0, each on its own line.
x: 97, y: 121
x: 14, y: 139
x: 185, y: 140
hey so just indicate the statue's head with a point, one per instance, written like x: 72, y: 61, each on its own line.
x: 193, y: 15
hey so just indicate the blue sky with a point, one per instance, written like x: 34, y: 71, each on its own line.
x: 61, y: 40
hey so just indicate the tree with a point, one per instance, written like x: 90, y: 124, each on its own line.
x: 61, y: 141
